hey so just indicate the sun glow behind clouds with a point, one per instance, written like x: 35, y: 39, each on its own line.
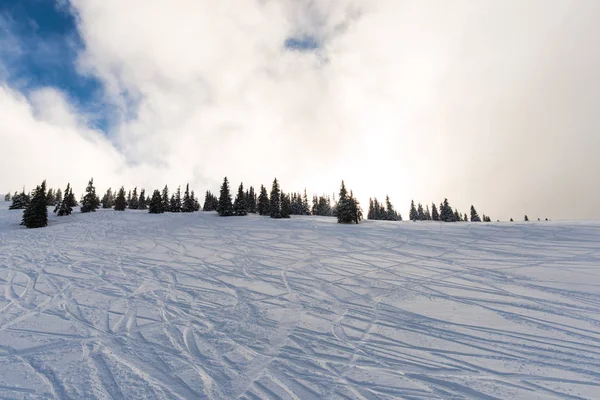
x: 409, y: 99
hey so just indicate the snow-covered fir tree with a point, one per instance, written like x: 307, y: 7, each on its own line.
x: 166, y: 203
x: 286, y: 206
x: 133, y: 201
x: 305, y: 205
x: 251, y: 205
x: 120, y: 201
x: 36, y: 213
x: 225, y: 206
x: 345, y: 212
x: 50, y: 197
x: 195, y: 201
x: 526, y: 219
x: 188, y: 202
x: 156, y: 203
x: 263, y: 205
x: 275, y: 200
x: 413, y: 214
x: 239, y: 205
x: 357, y: 214
x: 90, y: 201
x: 108, y: 200
x: 427, y: 213
x: 65, y: 206
x: 7, y: 197
x: 390, y: 212
x: 143, y: 201
x: 59, y: 196
x: 446, y: 213
x: 474, y: 215
x: 420, y: 212
x: 435, y: 216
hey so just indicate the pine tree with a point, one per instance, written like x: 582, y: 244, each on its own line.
x: 356, y: 211
x: 275, y: 200
x: 474, y: 215
x: 133, y: 200
x: 166, y: 204
x: 413, y: 214
x: 36, y: 213
x: 465, y: 218
x: 64, y: 207
x: 457, y: 217
x: 390, y: 213
x: 59, y: 196
x: 210, y: 202
x: 434, y: 213
x: 446, y: 213
x: 511, y: 220
x: 129, y: 199
x: 225, y: 207
x: 7, y: 197
x: 188, y: 201
x: 90, y: 201
x: 305, y: 206
x: 50, y: 197
x: 420, y: 213
x: 120, y: 201
x: 143, y: 201
x: 427, y: 213
x: 263, y: 206
x: 108, y: 200
x: 526, y: 218
x: 251, y: 201
x: 177, y: 207
x: 286, y: 206
x: 345, y: 207
x: 371, y: 212
x: 195, y: 201
x: 156, y: 203
x: 239, y: 205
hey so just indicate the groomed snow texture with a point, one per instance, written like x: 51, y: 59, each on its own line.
x: 128, y: 305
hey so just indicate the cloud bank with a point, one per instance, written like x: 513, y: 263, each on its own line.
x: 491, y: 103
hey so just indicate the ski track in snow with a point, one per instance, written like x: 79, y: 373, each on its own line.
x: 131, y: 305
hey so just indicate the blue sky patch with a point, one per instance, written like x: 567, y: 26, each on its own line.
x: 302, y: 43
x: 41, y: 43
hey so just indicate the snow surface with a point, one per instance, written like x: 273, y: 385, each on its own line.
x: 132, y: 305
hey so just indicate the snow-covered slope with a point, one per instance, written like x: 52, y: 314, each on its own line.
x: 131, y: 305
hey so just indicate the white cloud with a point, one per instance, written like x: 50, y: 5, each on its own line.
x: 471, y: 101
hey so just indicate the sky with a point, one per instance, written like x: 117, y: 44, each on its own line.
x: 491, y: 103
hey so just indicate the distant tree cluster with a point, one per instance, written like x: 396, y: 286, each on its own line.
x: 322, y: 206
x: 276, y: 204
x: 210, y: 202
x: 380, y: 211
x: 444, y: 213
x: 20, y: 201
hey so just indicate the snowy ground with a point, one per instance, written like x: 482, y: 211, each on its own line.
x: 131, y: 305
